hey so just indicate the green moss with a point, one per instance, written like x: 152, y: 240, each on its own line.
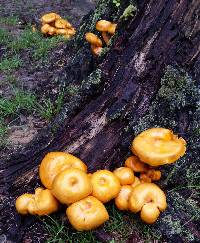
x: 10, y: 64
x: 129, y: 12
x: 117, y: 3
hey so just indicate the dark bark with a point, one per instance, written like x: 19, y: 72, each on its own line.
x: 98, y: 122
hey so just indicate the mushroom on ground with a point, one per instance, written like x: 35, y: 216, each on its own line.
x: 158, y: 146
x: 52, y: 31
x: 54, y: 163
x: 49, y: 18
x: 62, y: 24
x: 134, y: 163
x: 106, y: 185
x: 71, y: 185
x: 121, y: 201
x: 45, y: 29
x: 95, y: 41
x: 87, y: 214
x: 40, y: 203
x: 149, y: 199
x: 125, y: 175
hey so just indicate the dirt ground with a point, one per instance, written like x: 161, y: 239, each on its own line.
x: 32, y: 76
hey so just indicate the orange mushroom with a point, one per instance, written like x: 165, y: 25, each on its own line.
x: 158, y: 146
x: 87, y: 214
x: 135, y: 164
x: 49, y: 18
x: 121, y: 201
x: 95, y: 41
x: 106, y: 27
x: 125, y: 175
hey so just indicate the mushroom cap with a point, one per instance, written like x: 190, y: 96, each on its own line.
x: 145, y: 193
x: 71, y: 185
x: 155, y: 175
x: 121, y: 201
x: 61, y: 32
x: 44, y: 202
x: 71, y: 31
x: 87, y: 214
x: 145, y: 178
x: 45, y: 28
x: 106, y: 185
x: 136, y: 182
x: 22, y: 202
x: 106, y: 26
x: 49, y: 18
x: 149, y: 213
x: 158, y: 146
x: 93, y: 39
x: 40, y: 203
x: 125, y: 175
x: 62, y: 24
x: 134, y: 163
x: 54, y: 163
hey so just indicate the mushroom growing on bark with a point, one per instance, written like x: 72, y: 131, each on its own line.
x: 158, y: 146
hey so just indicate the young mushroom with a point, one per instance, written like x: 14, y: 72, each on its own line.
x: 149, y: 199
x: 150, y: 175
x: 134, y: 163
x: 62, y: 24
x: 54, y: 163
x: 87, y: 214
x: 49, y: 18
x: 136, y: 182
x: 125, y: 175
x: 45, y: 29
x: 158, y: 146
x: 95, y: 41
x: 71, y: 185
x: 105, y: 27
x: 106, y: 185
x: 40, y: 203
x: 121, y: 201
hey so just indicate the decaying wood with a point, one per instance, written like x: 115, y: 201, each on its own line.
x: 93, y: 126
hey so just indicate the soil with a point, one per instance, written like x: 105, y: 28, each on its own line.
x: 33, y: 77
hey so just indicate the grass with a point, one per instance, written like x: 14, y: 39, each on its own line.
x: 10, y: 64
x: 10, y: 20
x: 4, y: 37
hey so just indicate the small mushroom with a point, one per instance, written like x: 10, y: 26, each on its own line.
x: 125, y: 175
x: 106, y: 27
x: 62, y: 24
x: 151, y: 175
x: 121, y: 201
x: 87, y: 214
x: 71, y: 185
x: 145, y: 178
x: 45, y: 29
x: 158, y: 146
x: 95, y: 41
x: 40, y: 203
x: 54, y: 163
x: 49, y: 18
x: 106, y: 185
x: 134, y: 163
x: 149, y: 199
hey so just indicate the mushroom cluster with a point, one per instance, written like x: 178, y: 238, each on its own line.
x: 53, y: 24
x: 67, y: 181
x: 107, y: 30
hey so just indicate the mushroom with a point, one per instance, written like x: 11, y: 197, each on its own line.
x: 62, y: 24
x: 40, y: 203
x: 158, y: 146
x: 106, y: 185
x: 136, y: 182
x: 87, y: 214
x: 95, y: 41
x: 49, y: 18
x: 54, y: 163
x: 135, y: 164
x: 149, y: 199
x: 105, y: 27
x: 45, y: 29
x: 71, y: 185
x: 125, y: 175
x: 122, y: 198
x: 151, y: 175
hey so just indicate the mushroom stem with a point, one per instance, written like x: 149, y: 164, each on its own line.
x: 106, y: 38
